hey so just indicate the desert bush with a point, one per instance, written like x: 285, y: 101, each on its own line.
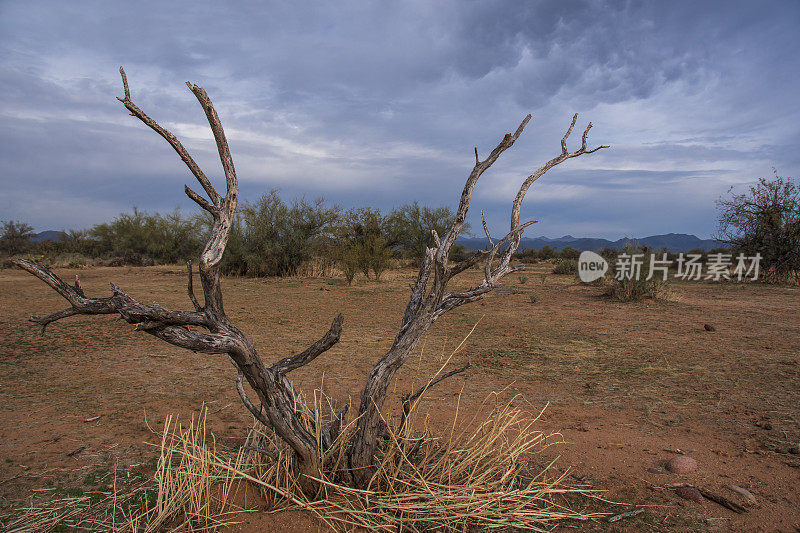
x: 140, y: 238
x: 522, y: 279
x: 765, y: 220
x: 637, y: 287
x: 565, y: 266
x: 361, y: 243
x: 273, y: 238
x: 458, y: 253
x: 569, y: 253
x: 608, y: 253
x: 16, y: 237
x: 408, y: 228
x: 545, y: 253
x: 528, y: 255
x: 77, y: 242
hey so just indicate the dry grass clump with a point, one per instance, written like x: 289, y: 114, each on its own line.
x: 632, y: 290
x: 479, y: 473
x: 189, y: 492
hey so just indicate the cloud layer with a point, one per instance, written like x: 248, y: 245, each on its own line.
x: 369, y: 103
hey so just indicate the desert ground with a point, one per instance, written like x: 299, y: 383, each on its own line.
x: 628, y: 385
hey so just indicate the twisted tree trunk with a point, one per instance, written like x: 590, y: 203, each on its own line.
x: 281, y: 407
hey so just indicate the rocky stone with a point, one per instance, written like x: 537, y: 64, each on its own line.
x: 681, y: 464
x: 689, y: 493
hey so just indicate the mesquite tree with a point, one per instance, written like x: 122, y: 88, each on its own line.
x: 207, y: 329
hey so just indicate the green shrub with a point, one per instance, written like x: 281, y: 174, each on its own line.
x: 546, y: 253
x: 360, y: 243
x: 528, y: 255
x: 565, y: 266
x: 349, y: 261
x: 569, y: 253
x: 141, y: 238
x: 273, y: 238
x: 634, y: 288
x: 15, y: 238
x: 408, y: 228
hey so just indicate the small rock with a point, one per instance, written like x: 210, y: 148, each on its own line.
x: 709, y: 327
x: 656, y: 471
x: 689, y: 493
x: 681, y: 464
x: 795, y: 450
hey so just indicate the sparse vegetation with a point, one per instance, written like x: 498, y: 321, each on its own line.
x: 565, y: 266
x: 409, y: 227
x: 273, y: 238
x: 16, y: 237
x: 632, y: 284
x: 569, y: 253
x: 765, y: 220
x: 361, y: 243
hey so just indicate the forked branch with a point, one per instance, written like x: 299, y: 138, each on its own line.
x: 429, y: 299
x: 208, y: 330
x: 282, y: 408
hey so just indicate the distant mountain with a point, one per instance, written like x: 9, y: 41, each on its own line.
x: 49, y: 235
x: 672, y: 242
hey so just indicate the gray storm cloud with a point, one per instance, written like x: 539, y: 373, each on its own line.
x: 377, y: 104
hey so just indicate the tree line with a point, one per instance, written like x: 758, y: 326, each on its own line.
x: 269, y: 237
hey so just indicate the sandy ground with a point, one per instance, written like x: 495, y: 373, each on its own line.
x: 628, y: 384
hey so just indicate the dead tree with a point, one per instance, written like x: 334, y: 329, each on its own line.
x: 208, y: 330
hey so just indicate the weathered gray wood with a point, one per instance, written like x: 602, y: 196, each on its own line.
x: 429, y: 299
x: 281, y: 407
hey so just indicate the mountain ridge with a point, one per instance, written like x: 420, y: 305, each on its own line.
x: 672, y: 242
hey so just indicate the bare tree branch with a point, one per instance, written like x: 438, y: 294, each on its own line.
x: 282, y: 408
x: 569, y: 132
x: 418, y: 291
x: 208, y: 330
x: 427, y: 304
x: 190, y: 287
x: 286, y: 365
x: 43, y: 321
x: 409, y: 400
x: 246, y: 401
x: 486, y: 229
x: 170, y: 138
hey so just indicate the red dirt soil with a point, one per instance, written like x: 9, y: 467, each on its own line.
x: 628, y: 384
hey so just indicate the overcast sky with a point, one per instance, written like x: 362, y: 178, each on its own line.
x: 381, y: 103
